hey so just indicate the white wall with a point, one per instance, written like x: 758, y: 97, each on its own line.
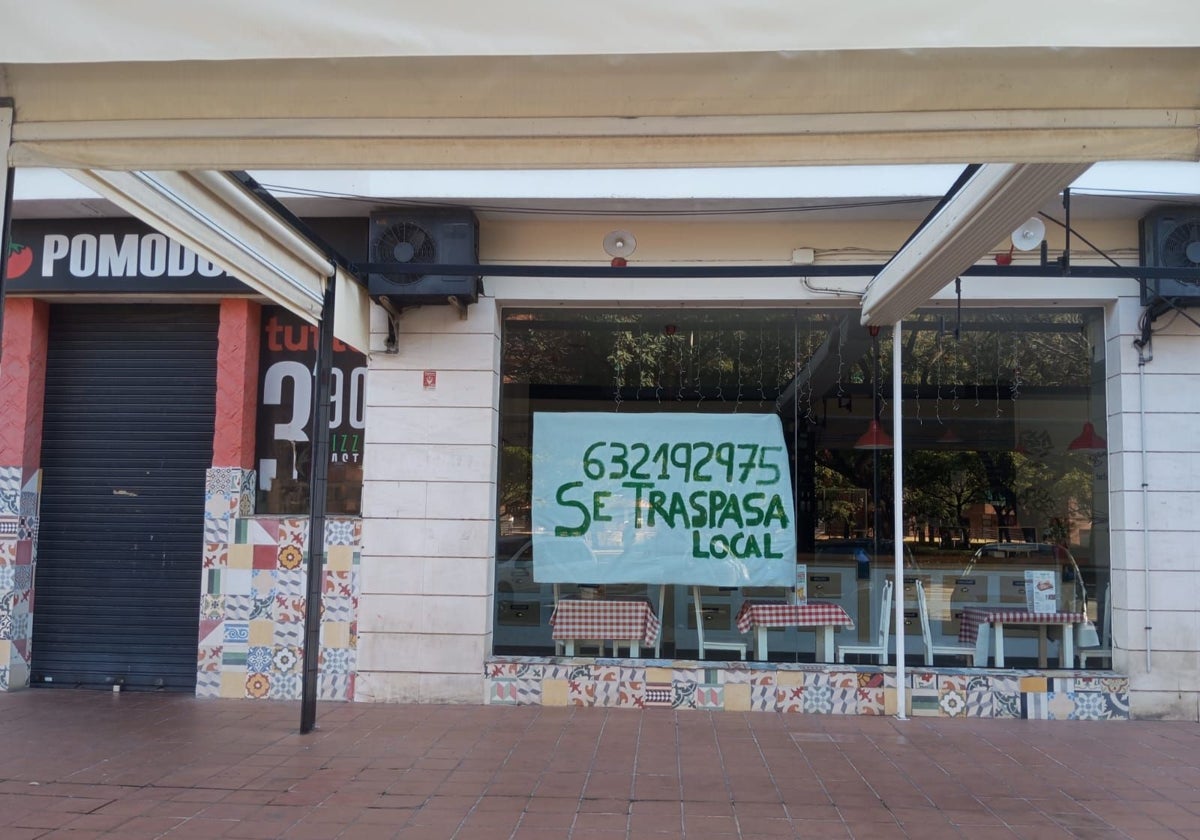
x: 424, y: 617
x: 1171, y: 686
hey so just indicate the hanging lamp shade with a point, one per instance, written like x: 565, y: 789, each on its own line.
x: 874, y: 438
x: 1088, y: 442
x: 950, y: 436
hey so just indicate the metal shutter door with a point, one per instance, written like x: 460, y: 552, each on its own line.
x: 127, y: 437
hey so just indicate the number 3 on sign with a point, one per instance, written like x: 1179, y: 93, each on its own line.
x: 349, y: 405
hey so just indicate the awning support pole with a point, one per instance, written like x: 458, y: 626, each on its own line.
x: 317, y: 485
x: 898, y: 519
x: 6, y: 190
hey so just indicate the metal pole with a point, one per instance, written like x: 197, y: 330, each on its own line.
x: 898, y: 519
x: 317, y: 484
x: 6, y: 189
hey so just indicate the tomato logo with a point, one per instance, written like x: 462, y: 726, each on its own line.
x: 20, y: 257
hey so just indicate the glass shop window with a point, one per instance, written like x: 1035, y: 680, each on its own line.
x: 1004, y: 467
x: 283, y: 441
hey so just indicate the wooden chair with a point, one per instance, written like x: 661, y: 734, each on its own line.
x: 880, y: 648
x: 698, y: 606
x: 1105, y: 649
x: 931, y: 649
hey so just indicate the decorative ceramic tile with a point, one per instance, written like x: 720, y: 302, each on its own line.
x: 630, y: 695
x: 333, y: 686
x: 789, y: 699
x: 683, y: 695
x: 337, y: 660
x: 8, y: 551
x: 29, y: 503
x: 844, y: 701
x: 1006, y: 704
x: 208, y: 683
x: 1034, y: 705
x: 1118, y: 705
x: 289, y: 610
x: 338, y: 608
x: 209, y: 658
x: 557, y: 671
x: 22, y: 577
x: 237, y: 631
x: 762, y: 697
x: 952, y: 702
x: 606, y: 673
x: 338, y: 583
x: 762, y: 677
x: 9, y: 525
x: 289, y: 634
x: 339, y: 532
x: 925, y: 702
x: 216, y: 530
x: 288, y: 582
x: 872, y: 701
x: 924, y: 679
x: 221, y: 479
x: 233, y: 658
x: 289, y: 558
x: 583, y: 692
x: 1060, y: 705
x: 286, y: 659
x: 294, y: 532
x: 980, y: 703
x: 10, y: 491
x: 502, y: 692
x: 238, y: 607
x: 212, y: 606
x: 6, y: 578
x: 659, y: 694
x: 258, y: 686
x: 28, y: 528
x: 285, y: 687
x: 22, y: 625
x: 258, y: 660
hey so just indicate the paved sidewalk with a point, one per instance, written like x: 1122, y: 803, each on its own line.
x: 92, y: 764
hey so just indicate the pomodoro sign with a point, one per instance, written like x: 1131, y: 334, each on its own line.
x: 106, y: 255
x: 662, y: 498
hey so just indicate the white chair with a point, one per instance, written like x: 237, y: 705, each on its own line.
x: 931, y: 649
x: 880, y: 648
x: 1105, y: 649
x: 698, y: 606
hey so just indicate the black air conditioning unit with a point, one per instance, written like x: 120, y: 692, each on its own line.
x: 1170, y: 238
x: 423, y: 235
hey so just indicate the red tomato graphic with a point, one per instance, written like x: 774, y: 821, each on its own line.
x: 20, y: 257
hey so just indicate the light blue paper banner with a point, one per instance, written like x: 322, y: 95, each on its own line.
x: 701, y: 499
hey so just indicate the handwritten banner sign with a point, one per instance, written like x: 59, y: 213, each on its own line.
x: 694, y: 499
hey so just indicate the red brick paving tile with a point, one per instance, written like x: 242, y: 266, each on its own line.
x: 600, y: 821
x: 560, y: 820
x: 43, y: 820
x: 96, y: 822
x: 764, y: 827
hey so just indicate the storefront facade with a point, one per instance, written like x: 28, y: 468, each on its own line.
x: 429, y: 592
x: 155, y: 410
x: 444, y: 499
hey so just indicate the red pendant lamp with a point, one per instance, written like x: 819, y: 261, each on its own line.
x: 874, y: 438
x: 1088, y: 442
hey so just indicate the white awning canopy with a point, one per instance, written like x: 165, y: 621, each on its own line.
x: 216, y: 217
x: 993, y: 202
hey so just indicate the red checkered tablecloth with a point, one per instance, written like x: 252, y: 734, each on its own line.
x: 972, y: 617
x: 605, y: 619
x: 782, y: 614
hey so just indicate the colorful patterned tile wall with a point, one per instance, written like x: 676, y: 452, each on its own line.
x: 253, y: 599
x: 20, y: 497
x: 804, y: 688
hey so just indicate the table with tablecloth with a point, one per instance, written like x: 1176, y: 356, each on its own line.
x: 822, y: 616
x: 630, y: 621
x: 978, y: 624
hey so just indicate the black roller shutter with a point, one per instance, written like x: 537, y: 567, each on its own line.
x: 128, y: 430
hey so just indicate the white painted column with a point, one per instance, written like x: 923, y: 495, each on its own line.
x: 898, y: 517
x: 1171, y: 567
x: 424, y: 617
